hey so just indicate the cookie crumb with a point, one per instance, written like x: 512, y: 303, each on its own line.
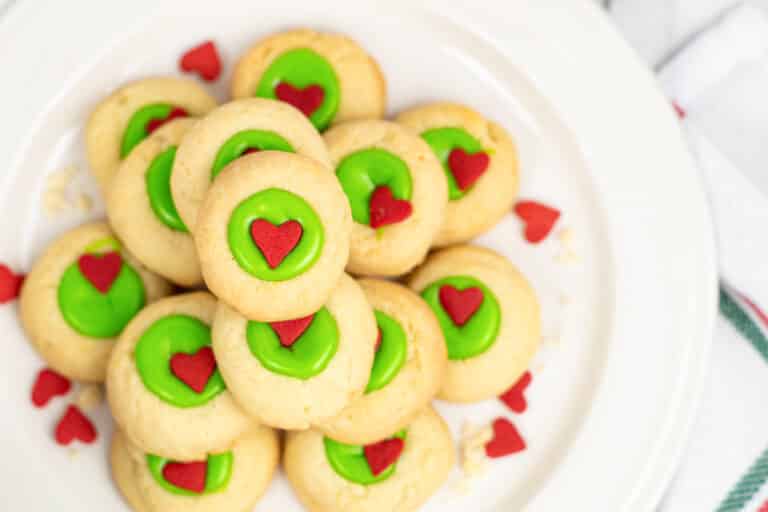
x: 89, y: 397
x: 73, y: 453
x: 567, y: 254
x: 84, y: 203
x: 55, y: 194
x: 473, y: 458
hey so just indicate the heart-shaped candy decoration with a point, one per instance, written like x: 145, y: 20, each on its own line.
x: 307, y: 100
x: 539, y: 219
x: 101, y: 270
x: 460, y: 304
x: 467, y: 168
x: 10, y: 284
x: 74, y: 425
x: 154, y: 124
x: 385, y: 209
x: 290, y: 330
x: 187, y: 475
x: 194, y: 370
x: 48, y: 385
x: 203, y: 60
x: 383, y: 454
x: 506, y: 439
x: 275, y: 242
x: 514, y: 397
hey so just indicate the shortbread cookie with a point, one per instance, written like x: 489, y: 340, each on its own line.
x: 79, y: 296
x: 328, y: 77
x: 398, y: 473
x: 480, y: 163
x: 230, y: 480
x: 397, y: 192
x: 294, y: 373
x: 229, y: 132
x: 126, y: 117
x: 142, y: 212
x: 163, y: 386
x: 489, y: 315
x: 273, y: 236
x: 407, y: 372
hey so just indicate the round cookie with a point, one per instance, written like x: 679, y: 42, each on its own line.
x: 231, y: 480
x: 79, y: 296
x: 132, y: 112
x: 480, y: 163
x: 141, y: 210
x: 489, y: 315
x: 329, y: 476
x: 234, y: 129
x: 396, y: 190
x: 163, y: 385
x: 273, y: 236
x: 407, y: 372
x: 328, y: 77
x: 292, y: 374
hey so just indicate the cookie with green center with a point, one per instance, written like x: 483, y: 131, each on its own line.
x: 273, y: 229
x: 232, y: 130
x: 132, y: 112
x: 480, y: 166
x: 396, y: 190
x: 407, y: 372
x: 142, y: 212
x: 163, y: 383
x: 79, y: 296
x: 397, y: 472
x: 313, y: 366
x: 233, y: 479
x: 489, y: 315
x: 327, y: 77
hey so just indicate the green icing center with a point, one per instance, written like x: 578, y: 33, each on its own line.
x: 361, y: 172
x: 302, y: 68
x: 445, y: 140
x: 349, y: 462
x: 391, y: 355
x: 276, y: 206
x: 136, y: 130
x: 217, y: 474
x: 239, y: 143
x: 478, y: 334
x: 92, y: 313
x: 307, y: 357
x: 167, y: 336
x: 158, y: 178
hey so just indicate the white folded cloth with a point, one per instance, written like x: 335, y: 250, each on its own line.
x: 718, y: 78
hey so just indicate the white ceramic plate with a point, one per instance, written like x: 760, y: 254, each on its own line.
x: 627, y: 326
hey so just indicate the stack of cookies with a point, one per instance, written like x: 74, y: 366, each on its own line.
x: 237, y: 289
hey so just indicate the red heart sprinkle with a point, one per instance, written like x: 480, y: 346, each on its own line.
x: 467, y: 168
x: 383, y: 454
x: 275, y: 242
x: 74, y: 425
x: 506, y: 439
x: 186, y: 475
x: 460, y: 305
x: 681, y: 113
x: 101, y: 270
x: 307, y: 100
x: 514, y: 397
x: 194, y: 370
x: 10, y: 284
x: 290, y: 330
x: 539, y: 219
x: 154, y: 124
x: 763, y: 507
x: 203, y: 60
x: 385, y: 209
x: 378, y: 340
x: 48, y: 385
